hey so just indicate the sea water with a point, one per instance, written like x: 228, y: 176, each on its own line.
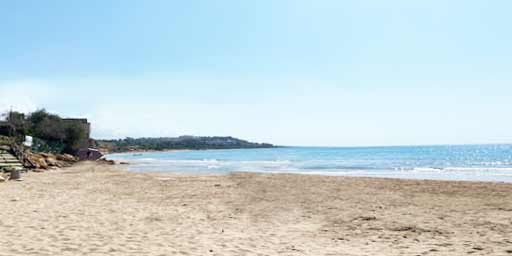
x: 456, y: 162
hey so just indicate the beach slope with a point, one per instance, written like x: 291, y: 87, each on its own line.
x: 92, y: 209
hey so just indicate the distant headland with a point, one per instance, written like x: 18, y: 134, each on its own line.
x: 49, y: 133
x: 176, y: 143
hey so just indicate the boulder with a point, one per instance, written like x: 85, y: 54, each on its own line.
x: 45, y: 155
x: 2, y: 179
x: 71, y: 158
x: 105, y: 161
x: 63, y: 164
x: 51, y: 161
x: 46, y: 160
x: 66, y: 158
x: 38, y: 161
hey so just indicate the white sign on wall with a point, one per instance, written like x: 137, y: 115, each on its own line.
x: 28, y: 141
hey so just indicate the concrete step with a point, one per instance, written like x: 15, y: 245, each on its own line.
x: 7, y: 169
x: 11, y: 168
x: 6, y: 164
x: 10, y: 164
x: 9, y: 160
x: 7, y: 157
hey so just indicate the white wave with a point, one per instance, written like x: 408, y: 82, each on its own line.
x: 497, y: 163
x: 145, y: 159
x: 478, y: 169
x: 425, y: 169
x: 170, y: 161
x: 464, y: 169
x: 267, y: 162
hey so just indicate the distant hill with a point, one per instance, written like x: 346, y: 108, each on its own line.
x: 182, y: 142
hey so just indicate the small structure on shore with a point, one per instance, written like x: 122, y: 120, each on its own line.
x: 89, y: 154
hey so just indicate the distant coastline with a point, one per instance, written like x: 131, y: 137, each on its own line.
x: 141, y: 151
x: 170, y: 144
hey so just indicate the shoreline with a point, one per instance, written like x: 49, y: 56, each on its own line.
x: 181, y: 150
x: 94, y: 209
x: 144, y: 151
x: 465, y: 163
x: 312, y: 174
x: 131, y: 166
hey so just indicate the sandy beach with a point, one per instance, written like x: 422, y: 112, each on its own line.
x: 92, y: 209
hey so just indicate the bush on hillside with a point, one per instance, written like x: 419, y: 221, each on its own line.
x: 50, y: 132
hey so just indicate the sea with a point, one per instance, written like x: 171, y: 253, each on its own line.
x: 447, y: 162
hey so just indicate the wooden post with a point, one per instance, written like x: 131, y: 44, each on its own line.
x: 15, y: 174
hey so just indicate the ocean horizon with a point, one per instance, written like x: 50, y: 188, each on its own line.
x: 480, y: 162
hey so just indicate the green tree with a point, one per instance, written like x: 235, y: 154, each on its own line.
x: 46, y: 126
x: 57, y: 134
x: 75, y: 136
x: 18, y: 124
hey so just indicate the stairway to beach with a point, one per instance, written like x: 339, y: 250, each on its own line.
x: 9, y: 161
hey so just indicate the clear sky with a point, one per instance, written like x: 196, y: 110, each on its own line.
x: 290, y: 72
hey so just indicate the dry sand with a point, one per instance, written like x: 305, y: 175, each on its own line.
x: 98, y: 210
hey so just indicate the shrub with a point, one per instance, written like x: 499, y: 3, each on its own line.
x: 75, y: 136
x: 50, y: 132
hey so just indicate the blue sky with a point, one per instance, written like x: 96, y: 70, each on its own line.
x: 325, y: 72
